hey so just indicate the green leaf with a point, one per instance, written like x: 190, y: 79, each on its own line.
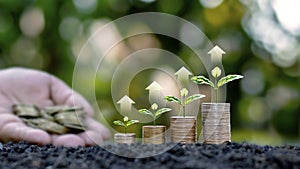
x: 145, y: 111
x: 173, y: 99
x: 193, y: 98
x: 131, y: 122
x: 227, y: 79
x: 119, y: 123
x: 161, y: 111
x: 202, y: 80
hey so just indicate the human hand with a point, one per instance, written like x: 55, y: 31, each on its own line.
x: 28, y: 86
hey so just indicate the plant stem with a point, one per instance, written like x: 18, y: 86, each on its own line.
x: 183, y: 105
x: 216, y: 89
x: 154, y: 122
x: 125, y: 130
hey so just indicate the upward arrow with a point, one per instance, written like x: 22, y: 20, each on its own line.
x: 155, y: 94
x: 153, y: 86
x: 216, y: 53
x: 183, y: 74
x: 125, y: 104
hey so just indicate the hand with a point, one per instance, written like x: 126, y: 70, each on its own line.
x: 20, y: 85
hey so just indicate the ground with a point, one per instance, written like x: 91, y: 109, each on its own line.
x: 228, y: 155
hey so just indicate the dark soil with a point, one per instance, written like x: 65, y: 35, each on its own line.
x: 229, y: 155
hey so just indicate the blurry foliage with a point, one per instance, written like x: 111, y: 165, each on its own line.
x: 266, y: 101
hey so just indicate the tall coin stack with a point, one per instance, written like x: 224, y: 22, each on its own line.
x: 154, y: 134
x: 216, y: 123
x: 183, y: 129
x: 125, y: 138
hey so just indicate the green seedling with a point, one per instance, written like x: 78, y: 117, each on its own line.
x: 216, y: 73
x: 154, y: 112
x: 185, y: 99
x: 125, y: 123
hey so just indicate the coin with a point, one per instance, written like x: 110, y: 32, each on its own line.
x: 122, y: 138
x: 46, y: 125
x: 45, y: 115
x: 215, y: 123
x: 24, y: 110
x: 61, y: 108
x: 74, y: 127
x: 183, y: 129
x: 154, y: 134
x: 68, y: 117
x: 58, y: 119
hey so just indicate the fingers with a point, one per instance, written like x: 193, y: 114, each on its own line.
x: 95, y: 134
x: 16, y: 131
x: 8, y: 118
x: 63, y: 94
x: 99, y: 128
x: 68, y: 140
x: 91, y: 138
x: 13, y: 129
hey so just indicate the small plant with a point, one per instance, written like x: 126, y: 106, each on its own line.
x: 125, y: 123
x: 153, y: 112
x: 216, y: 73
x: 185, y: 99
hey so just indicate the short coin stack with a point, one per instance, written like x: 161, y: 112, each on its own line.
x: 216, y: 123
x: 154, y: 134
x: 183, y: 129
x: 53, y: 119
x: 122, y: 138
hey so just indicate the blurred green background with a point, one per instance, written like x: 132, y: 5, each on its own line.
x: 261, y: 40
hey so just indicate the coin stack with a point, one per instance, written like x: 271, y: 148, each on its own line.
x: 122, y: 138
x: 59, y: 119
x: 216, y: 123
x: 154, y: 134
x: 183, y: 129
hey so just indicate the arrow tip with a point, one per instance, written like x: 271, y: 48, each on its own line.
x: 154, y: 86
x: 125, y: 99
x: 183, y: 71
x: 216, y: 50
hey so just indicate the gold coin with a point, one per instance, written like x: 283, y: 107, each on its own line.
x: 122, y: 138
x: 154, y: 134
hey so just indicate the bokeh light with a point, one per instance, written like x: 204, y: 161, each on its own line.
x: 253, y: 82
x: 261, y: 39
x: 265, y: 30
x: 211, y: 3
x: 86, y: 6
x: 287, y: 13
x: 32, y: 22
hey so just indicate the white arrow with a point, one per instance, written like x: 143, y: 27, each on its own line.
x: 125, y: 104
x: 155, y: 94
x: 183, y: 74
x: 154, y: 86
x: 216, y: 53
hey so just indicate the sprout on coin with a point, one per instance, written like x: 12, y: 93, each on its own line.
x: 185, y: 99
x: 154, y: 112
x: 216, y: 73
x: 125, y: 123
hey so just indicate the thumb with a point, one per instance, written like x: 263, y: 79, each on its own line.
x: 61, y: 93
